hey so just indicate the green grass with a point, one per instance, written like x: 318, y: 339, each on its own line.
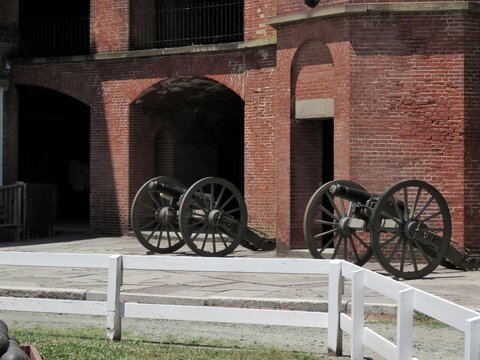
x: 90, y: 344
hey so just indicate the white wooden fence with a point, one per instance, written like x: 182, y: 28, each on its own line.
x: 336, y: 321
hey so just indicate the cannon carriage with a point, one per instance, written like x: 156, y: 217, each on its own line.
x: 408, y: 228
x: 210, y: 217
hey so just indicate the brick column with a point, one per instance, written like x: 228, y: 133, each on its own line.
x: 283, y: 144
x: 109, y: 25
x: 109, y: 161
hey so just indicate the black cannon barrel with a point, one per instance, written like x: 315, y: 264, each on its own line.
x: 350, y: 193
x: 169, y: 188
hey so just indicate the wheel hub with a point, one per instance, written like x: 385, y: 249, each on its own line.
x: 344, y: 226
x: 166, y: 215
x: 413, y: 229
x: 213, y: 217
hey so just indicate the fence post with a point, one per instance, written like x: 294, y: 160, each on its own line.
x: 404, y: 347
x: 472, y: 339
x: 335, y: 292
x: 358, y: 321
x: 115, y: 280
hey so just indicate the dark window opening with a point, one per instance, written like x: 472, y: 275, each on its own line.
x: 190, y: 22
x: 54, y: 157
x: 54, y: 27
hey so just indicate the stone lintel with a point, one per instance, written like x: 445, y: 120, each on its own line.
x: 314, y: 109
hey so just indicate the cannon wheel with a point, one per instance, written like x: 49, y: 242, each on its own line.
x: 213, y: 217
x: 323, y: 226
x: 411, y: 229
x: 154, y: 218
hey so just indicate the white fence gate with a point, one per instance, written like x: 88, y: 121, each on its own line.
x: 408, y: 299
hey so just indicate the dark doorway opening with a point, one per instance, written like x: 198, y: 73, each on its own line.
x: 311, y: 166
x: 327, y: 150
x: 200, y: 130
x: 54, y: 159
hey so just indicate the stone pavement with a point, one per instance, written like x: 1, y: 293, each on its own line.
x: 265, y: 290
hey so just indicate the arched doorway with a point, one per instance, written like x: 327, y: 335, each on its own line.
x: 312, y: 130
x: 54, y: 160
x: 198, y: 130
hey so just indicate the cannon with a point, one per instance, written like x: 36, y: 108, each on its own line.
x: 408, y: 228
x: 210, y: 217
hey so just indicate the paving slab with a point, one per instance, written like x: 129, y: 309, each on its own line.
x: 192, y: 288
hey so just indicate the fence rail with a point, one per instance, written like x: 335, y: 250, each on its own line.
x: 335, y: 320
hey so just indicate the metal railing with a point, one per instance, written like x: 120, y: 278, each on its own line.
x: 54, y: 36
x: 12, y: 210
x: 193, y: 23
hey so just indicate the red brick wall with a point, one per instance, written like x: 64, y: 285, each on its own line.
x: 401, y: 108
x: 260, y: 140
x: 407, y: 105
x: 472, y: 132
x: 256, y: 16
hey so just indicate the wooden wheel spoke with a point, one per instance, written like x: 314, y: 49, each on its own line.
x: 217, y: 202
x: 174, y: 228
x: 395, y: 249
x: 227, y: 202
x: 337, y: 247
x: 169, y: 239
x: 160, y: 237
x: 204, y: 199
x: 412, y: 254
x: 415, y: 202
x: 199, y: 232
x: 325, y: 233
x: 425, y: 207
x: 232, y: 211
x: 148, y: 206
x: 361, y: 241
x: 332, y: 202
x: 397, y: 209
x: 355, y: 252
x: 223, y: 239
x: 214, y: 245
x: 212, y: 194
x: 404, y: 254
x: 327, y: 212
x: 389, y: 240
x: 153, y: 232
x: 405, y: 203
x: 324, y: 222
x: 143, y: 228
x: 205, y: 238
x: 342, y: 207
x: 192, y: 225
x: 328, y: 243
x: 420, y: 247
x: 433, y: 216
x: 154, y: 200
